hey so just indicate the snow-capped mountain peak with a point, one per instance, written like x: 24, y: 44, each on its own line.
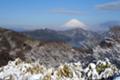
x: 75, y: 23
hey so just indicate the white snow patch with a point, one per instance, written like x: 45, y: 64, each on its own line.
x: 75, y: 23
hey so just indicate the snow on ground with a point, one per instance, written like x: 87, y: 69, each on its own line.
x: 19, y: 70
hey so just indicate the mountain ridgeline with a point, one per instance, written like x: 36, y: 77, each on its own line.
x: 51, y: 48
x: 77, y: 37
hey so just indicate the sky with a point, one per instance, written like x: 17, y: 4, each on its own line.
x: 33, y: 14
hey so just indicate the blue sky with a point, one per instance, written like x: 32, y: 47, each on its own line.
x: 57, y: 12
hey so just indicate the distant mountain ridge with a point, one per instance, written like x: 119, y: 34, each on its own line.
x: 47, y: 35
x: 75, y: 37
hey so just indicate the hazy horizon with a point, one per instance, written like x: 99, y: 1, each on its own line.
x: 58, y: 14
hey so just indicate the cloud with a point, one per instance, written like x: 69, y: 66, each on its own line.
x: 75, y: 23
x: 66, y: 11
x: 109, y: 6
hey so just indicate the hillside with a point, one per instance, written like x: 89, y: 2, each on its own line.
x: 14, y: 44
